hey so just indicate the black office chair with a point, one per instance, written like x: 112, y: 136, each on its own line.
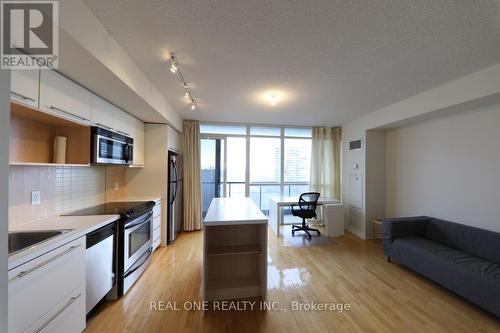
x: 307, y: 204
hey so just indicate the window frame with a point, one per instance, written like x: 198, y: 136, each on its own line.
x: 282, y: 184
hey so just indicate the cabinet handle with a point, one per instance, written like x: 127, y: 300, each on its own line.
x: 22, y: 96
x: 68, y: 113
x: 40, y: 265
x: 55, y: 315
x: 102, y: 125
x: 126, y: 134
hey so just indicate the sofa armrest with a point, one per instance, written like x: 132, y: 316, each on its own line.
x: 402, y: 227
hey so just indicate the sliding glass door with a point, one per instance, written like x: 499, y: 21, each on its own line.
x: 223, y: 168
x: 236, y: 166
x: 265, y: 165
x: 212, y: 175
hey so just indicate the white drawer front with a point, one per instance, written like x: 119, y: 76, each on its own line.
x: 156, y: 222
x: 67, y: 316
x: 157, y: 210
x: 156, y: 233
x: 41, y: 284
x: 156, y: 243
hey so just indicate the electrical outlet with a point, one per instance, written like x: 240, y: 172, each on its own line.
x: 117, y: 186
x: 35, y: 197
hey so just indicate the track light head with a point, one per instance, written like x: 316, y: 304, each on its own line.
x: 173, y: 63
x: 174, y: 68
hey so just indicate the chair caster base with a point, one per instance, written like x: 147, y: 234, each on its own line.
x: 305, y: 229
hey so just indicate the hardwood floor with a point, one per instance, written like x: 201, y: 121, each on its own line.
x: 383, y: 297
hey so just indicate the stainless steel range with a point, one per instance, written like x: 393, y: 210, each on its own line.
x: 137, y: 244
x: 134, y: 239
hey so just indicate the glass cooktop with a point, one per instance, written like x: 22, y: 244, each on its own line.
x: 124, y: 209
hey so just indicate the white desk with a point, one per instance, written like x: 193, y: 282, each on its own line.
x: 234, y: 250
x: 276, y: 213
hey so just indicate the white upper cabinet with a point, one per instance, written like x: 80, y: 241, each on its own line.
x: 121, y: 121
x: 24, y: 86
x: 102, y: 113
x: 105, y: 114
x: 174, y: 140
x: 63, y: 97
x: 137, y: 133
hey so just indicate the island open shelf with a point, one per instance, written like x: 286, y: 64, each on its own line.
x: 235, y: 250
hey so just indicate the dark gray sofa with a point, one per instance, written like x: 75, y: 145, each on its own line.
x: 462, y: 258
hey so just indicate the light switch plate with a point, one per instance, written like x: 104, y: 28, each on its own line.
x: 35, y: 197
x: 117, y: 186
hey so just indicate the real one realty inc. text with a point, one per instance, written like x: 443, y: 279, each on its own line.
x: 243, y: 305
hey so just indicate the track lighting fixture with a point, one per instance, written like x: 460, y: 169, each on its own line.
x: 174, y: 68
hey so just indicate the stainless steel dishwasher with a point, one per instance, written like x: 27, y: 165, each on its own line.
x: 100, y: 258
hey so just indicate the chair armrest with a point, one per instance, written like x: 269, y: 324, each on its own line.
x: 402, y: 227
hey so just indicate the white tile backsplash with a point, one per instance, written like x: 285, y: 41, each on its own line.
x: 63, y: 189
x: 78, y: 188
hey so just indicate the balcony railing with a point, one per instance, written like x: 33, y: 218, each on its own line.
x: 260, y: 193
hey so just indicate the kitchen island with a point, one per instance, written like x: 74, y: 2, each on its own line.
x: 234, y: 250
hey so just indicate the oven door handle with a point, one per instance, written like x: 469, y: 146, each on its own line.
x: 128, y: 226
x: 148, y: 254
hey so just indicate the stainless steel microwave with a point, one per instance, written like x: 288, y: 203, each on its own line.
x: 108, y: 147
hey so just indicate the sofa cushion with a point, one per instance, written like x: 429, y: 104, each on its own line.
x: 478, y: 242
x: 471, y: 277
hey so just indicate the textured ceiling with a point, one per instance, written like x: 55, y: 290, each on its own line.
x: 332, y: 60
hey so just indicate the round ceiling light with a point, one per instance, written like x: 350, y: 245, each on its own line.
x: 272, y: 97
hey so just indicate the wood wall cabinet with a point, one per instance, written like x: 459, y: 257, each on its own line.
x: 137, y: 133
x: 24, y: 86
x: 47, y: 294
x: 63, y: 97
x: 60, y: 107
x: 32, y: 136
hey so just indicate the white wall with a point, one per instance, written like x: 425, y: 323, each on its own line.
x: 375, y: 177
x: 4, y: 191
x: 447, y: 168
x: 80, y: 23
x: 152, y: 180
x: 478, y: 89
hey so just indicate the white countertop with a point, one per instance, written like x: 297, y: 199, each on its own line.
x: 294, y: 200
x: 81, y: 226
x: 233, y: 211
x: 139, y: 198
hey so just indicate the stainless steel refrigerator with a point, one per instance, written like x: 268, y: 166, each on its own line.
x: 174, y: 196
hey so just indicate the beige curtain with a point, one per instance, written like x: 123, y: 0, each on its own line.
x: 191, y: 175
x: 325, y: 161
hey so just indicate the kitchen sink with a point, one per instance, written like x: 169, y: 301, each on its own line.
x: 20, y: 240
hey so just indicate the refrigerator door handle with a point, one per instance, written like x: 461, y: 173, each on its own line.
x: 174, y: 167
x: 175, y: 194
